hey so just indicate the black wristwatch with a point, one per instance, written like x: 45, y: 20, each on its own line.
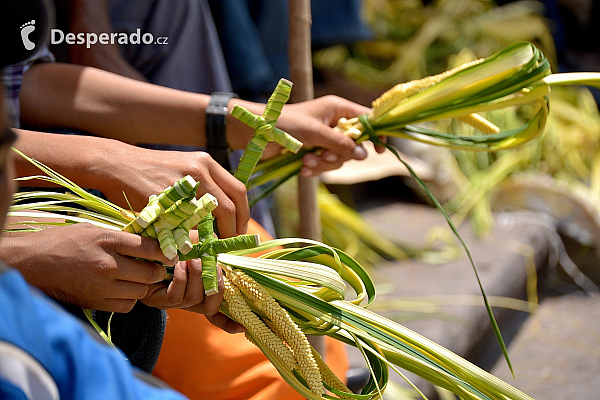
x: 216, y: 139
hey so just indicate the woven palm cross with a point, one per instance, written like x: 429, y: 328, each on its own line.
x: 264, y: 130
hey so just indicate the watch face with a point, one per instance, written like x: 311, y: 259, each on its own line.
x: 216, y: 109
x: 218, y: 103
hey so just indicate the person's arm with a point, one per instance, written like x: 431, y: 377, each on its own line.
x: 101, y: 269
x: 114, y: 168
x: 108, y: 105
x: 87, y: 266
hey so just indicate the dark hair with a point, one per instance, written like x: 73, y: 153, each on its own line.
x: 19, y: 40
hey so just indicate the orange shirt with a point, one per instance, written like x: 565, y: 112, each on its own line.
x: 204, y: 362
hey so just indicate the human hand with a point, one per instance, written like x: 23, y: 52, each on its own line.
x: 186, y: 291
x: 87, y: 266
x: 139, y: 173
x: 312, y: 123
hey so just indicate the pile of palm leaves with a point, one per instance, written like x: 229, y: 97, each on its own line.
x: 517, y: 76
x: 309, y: 281
x: 557, y: 174
x: 413, y: 39
x: 567, y: 152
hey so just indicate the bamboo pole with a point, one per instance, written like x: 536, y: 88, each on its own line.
x: 300, y: 61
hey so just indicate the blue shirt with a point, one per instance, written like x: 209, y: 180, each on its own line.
x: 44, y: 350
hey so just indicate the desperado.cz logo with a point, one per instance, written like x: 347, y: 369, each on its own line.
x: 57, y: 36
x: 26, y: 29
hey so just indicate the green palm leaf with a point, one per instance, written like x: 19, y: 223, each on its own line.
x: 309, y: 281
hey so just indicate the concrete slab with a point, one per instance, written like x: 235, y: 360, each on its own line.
x: 457, y: 319
x: 556, y: 355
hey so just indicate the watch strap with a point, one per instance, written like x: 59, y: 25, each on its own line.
x: 216, y: 138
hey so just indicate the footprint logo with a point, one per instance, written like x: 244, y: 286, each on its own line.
x: 26, y: 29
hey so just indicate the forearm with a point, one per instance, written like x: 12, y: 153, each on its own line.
x: 111, y: 106
x: 107, y: 165
x: 108, y: 105
x: 117, y: 169
x: 105, y: 104
x: 83, y: 159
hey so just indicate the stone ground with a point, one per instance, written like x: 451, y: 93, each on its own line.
x: 556, y: 354
x: 555, y: 349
